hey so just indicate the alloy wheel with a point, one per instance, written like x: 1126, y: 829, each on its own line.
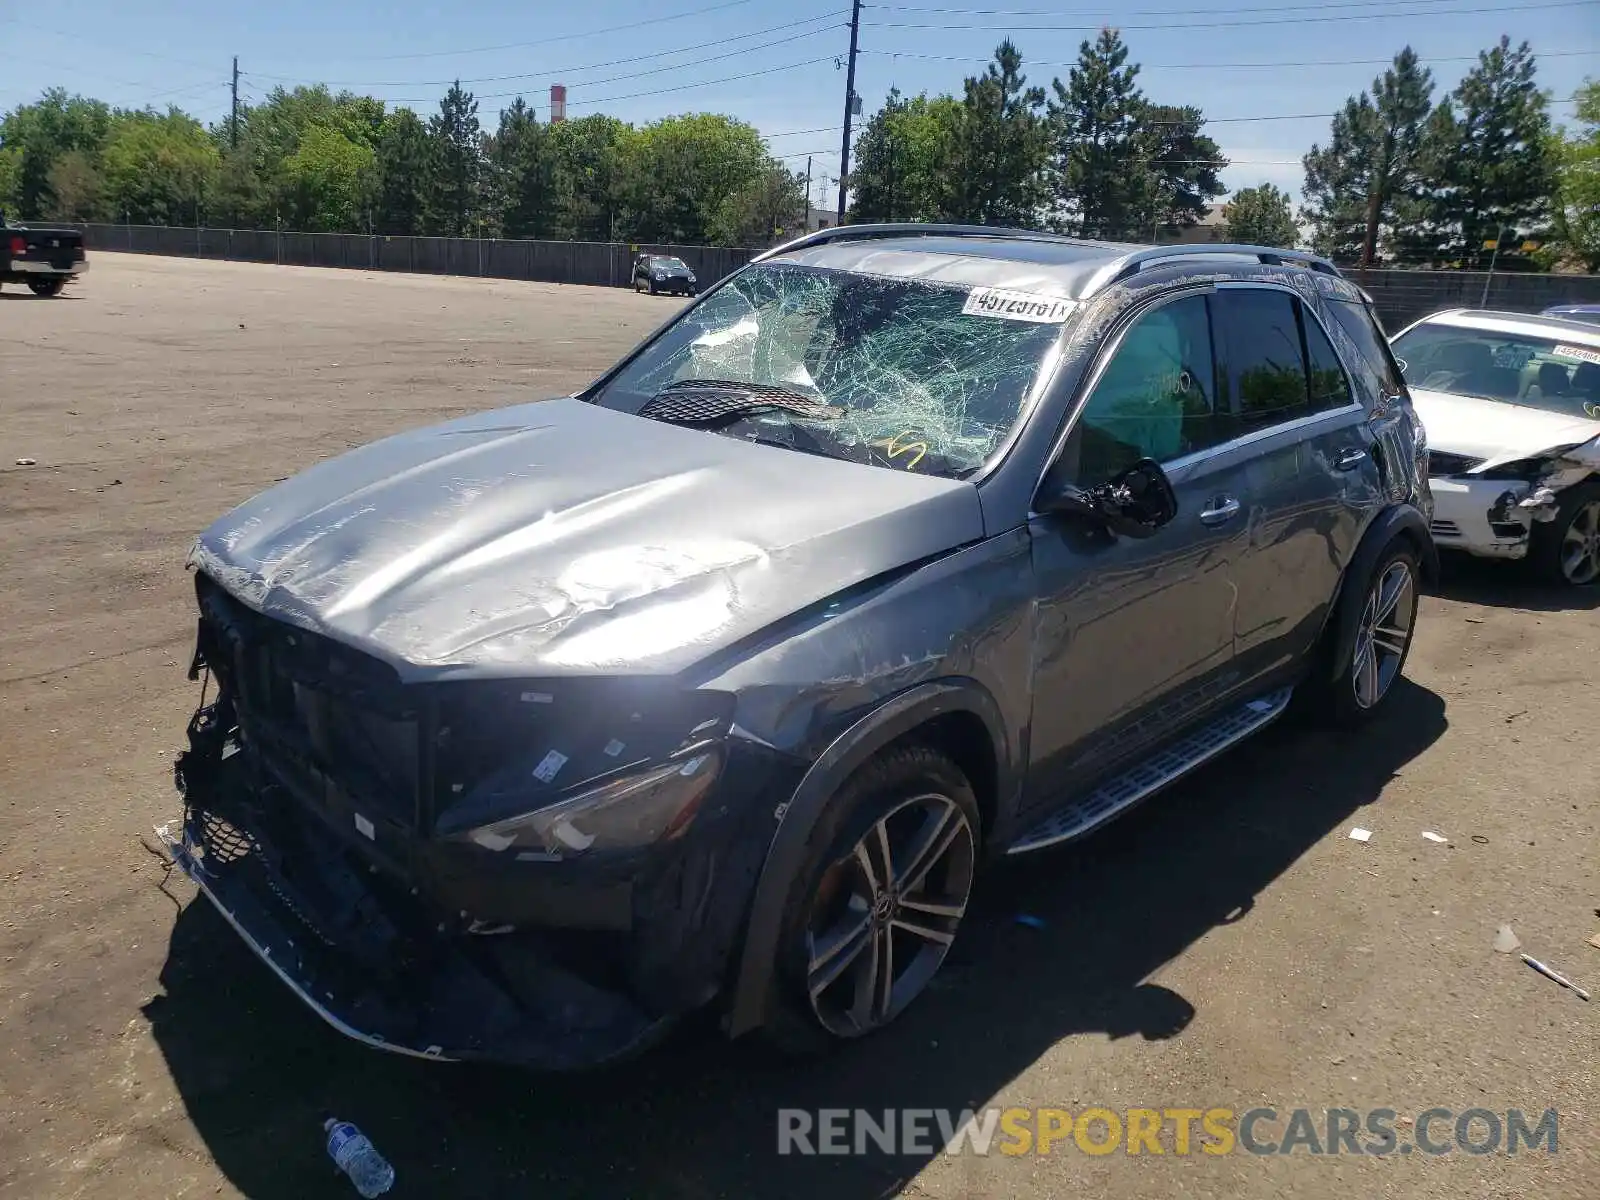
x: 884, y: 915
x: 1384, y: 632
x: 1580, y: 545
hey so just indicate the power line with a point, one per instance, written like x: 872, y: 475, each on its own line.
x: 1297, y: 20
x: 1144, y: 12
x: 1225, y: 66
x: 564, y: 71
x: 560, y: 37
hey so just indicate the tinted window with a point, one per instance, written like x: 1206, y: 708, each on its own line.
x: 1329, y: 386
x: 1362, y: 327
x: 1265, y: 367
x: 1155, y: 399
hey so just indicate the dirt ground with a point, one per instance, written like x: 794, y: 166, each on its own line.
x: 1228, y: 945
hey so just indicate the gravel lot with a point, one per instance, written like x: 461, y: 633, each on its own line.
x: 1226, y: 946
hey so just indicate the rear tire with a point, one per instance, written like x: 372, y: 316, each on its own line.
x: 1356, y: 690
x: 1566, y: 551
x: 47, y: 287
x: 880, y: 898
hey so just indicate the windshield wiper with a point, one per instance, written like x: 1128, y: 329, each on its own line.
x: 697, y: 401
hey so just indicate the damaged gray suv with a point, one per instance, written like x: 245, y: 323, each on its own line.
x: 903, y: 550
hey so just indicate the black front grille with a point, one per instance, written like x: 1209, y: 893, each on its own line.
x: 314, y: 709
x: 1444, y: 464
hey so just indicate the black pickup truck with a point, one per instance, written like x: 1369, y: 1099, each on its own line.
x: 42, y: 256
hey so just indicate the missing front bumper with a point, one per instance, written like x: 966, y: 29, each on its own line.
x: 378, y: 978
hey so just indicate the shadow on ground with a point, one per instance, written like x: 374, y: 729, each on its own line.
x: 1508, y: 585
x: 698, y: 1117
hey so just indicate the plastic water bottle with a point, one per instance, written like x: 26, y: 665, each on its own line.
x: 349, y: 1147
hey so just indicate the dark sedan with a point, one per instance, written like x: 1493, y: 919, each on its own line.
x: 663, y: 273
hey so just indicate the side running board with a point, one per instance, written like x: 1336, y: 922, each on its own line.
x: 1150, y: 775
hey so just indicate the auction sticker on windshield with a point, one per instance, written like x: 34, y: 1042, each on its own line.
x: 1581, y: 353
x: 1016, y: 306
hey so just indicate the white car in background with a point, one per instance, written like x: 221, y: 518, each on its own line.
x: 1511, y: 405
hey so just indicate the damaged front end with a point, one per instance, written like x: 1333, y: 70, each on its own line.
x: 544, y: 875
x: 1490, y: 506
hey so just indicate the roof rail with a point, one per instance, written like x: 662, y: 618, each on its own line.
x: 896, y: 229
x: 1271, y: 256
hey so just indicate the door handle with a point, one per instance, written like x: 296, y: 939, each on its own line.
x: 1223, y: 508
x: 1351, y: 459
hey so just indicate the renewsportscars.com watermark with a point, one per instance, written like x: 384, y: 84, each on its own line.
x: 1175, y: 1131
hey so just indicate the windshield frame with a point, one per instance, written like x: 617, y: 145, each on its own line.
x: 1544, y: 341
x: 1045, y: 378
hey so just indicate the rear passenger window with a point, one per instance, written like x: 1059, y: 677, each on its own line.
x: 1157, y: 397
x: 1329, y: 386
x: 1363, y: 328
x: 1265, y: 366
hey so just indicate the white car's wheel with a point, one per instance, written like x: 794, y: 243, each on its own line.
x: 1566, y: 551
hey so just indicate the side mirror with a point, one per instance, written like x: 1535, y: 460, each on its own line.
x: 1134, y: 503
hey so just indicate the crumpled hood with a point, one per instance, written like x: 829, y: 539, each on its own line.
x: 1495, y: 430
x: 559, y: 538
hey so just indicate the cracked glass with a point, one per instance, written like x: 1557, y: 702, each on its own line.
x: 921, y: 383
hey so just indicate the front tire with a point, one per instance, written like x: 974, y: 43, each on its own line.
x: 873, y: 912
x: 1566, y: 551
x: 47, y: 287
x: 1385, y: 627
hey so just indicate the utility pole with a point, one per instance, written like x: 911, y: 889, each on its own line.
x: 805, y: 221
x: 849, y: 105
x: 233, y: 122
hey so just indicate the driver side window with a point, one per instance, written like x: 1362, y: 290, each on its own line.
x: 1157, y: 397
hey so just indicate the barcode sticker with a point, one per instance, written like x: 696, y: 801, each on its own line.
x: 1016, y: 306
x: 366, y: 828
x: 1581, y: 353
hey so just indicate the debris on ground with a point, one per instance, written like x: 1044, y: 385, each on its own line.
x: 1549, y: 974
x: 356, y: 1157
x: 27, y: 462
x: 1031, y: 921
x: 1359, y: 834
x: 1506, y: 941
x: 1435, y: 837
x: 1595, y: 941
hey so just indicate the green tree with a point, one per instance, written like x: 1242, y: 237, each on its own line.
x: 680, y: 171
x: 458, y: 158
x: 1365, y: 182
x: 329, y: 181
x: 34, y: 136
x: 76, y: 189
x: 1260, y: 216
x: 160, y: 168
x: 522, y: 169
x: 1488, y: 162
x: 1101, y: 179
x: 764, y: 211
x: 404, y: 167
x: 1184, y: 162
x: 1576, y: 218
x: 1001, y: 145
x: 588, y: 173
x: 901, y: 164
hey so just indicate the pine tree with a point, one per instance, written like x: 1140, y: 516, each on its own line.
x: 1102, y: 182
x: 1001, y: 145
x: 405, y: 175
x: 1488, y: 160
x: 1366, y: 179
x: 522, y: 167
x: 458, y: 157
x: 1185, y: 163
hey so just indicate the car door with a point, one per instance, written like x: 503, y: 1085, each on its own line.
x: 1310, y: 465
x: 1135, y: 636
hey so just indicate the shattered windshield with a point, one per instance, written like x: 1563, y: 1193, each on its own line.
x: 1552, y: 373
x: 912, y: 375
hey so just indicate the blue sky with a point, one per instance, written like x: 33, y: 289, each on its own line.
x: 1234, y: 58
